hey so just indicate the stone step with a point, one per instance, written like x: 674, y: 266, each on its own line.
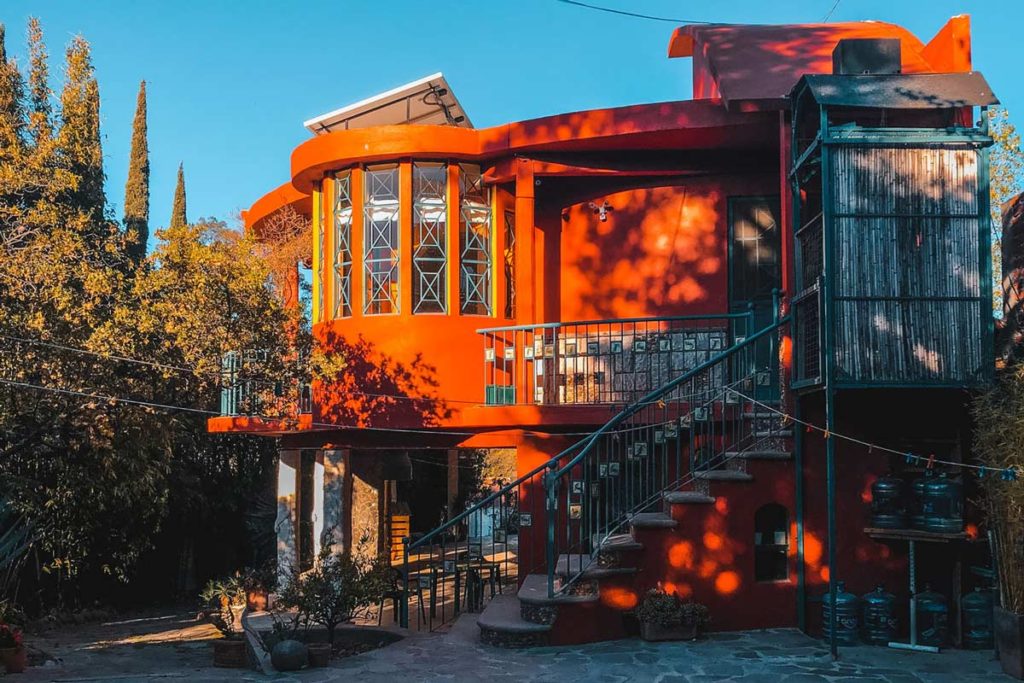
x: 569, y: 565
x: 618, y: 543
x: 688, y: 498
x: 502, y: 625
x: 772, y: 433
x: 534, y: 591
x: 652, y: 520
x: 722, y: 475
x: 760, y: 454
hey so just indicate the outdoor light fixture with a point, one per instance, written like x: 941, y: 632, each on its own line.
x: 601, y: 210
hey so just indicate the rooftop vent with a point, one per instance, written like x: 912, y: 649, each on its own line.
x: 871, y: 56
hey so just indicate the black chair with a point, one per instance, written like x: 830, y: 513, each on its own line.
x: 400, y: 585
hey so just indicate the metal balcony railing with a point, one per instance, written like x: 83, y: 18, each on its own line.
x: 242, y: 393
x: 602, y: 361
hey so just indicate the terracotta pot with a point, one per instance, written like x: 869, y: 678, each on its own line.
x: 15, y: 660
x: 656, y: 632
x: 256, y: 600
x: 1009, y: 632
x: 230, y: 653
x: 319, y: 654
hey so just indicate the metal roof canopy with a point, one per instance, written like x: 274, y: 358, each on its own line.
x: 427, y: 101
x: 901, y: 91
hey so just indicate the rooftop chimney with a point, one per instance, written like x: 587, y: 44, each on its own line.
x: 871, y: 56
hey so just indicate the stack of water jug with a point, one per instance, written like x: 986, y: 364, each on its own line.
x: 872, y: 618
x: 937, y: 504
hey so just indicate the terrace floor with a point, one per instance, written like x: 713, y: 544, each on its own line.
x: 175, y: 647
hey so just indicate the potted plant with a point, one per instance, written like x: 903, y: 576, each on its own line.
x: 999, y: 443
x: 664, y: 616
x: 339, y: 588
x: 258, y: 582
x: 224, y: 600
x: 12, y: 649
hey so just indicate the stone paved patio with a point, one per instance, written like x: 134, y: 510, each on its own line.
x: 776, y: 656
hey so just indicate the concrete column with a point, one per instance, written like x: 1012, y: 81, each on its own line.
x: 318, y: 503
x: 337, y: 498
x: 367, y: 490
x: 453, y: 481
x: 287, y: 513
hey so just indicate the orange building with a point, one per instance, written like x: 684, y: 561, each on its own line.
x: 635, y: 304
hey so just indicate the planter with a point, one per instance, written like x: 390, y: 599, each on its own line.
x: 230, y: 653
x: 319, y: 655
x: 1009, y: 632
x: 289, y: 655
x: 656, y: 632
x: 256, y: 601
x: 15, y: 660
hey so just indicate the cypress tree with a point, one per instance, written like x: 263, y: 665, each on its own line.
x: 179, y: 219
x: 136, y: 189
x: 79, y: 136
x: 12, y: 112
x: 40, y: 124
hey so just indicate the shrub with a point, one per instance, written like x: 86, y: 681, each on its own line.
x: 339, y: 588
x: 664, y: 609
x: 10, y: 637
x: 999, y: 445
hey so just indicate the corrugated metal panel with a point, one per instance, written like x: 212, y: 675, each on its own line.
x: 902, y: 91
x: 907, y: 273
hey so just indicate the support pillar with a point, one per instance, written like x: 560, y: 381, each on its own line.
x: 337, y: 499
x: 453, y: 481
x: 287, y: 513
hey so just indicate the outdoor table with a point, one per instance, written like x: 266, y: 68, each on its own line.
x: 912, y: 536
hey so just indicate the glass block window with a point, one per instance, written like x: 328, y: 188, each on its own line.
x: 429, y: 238
x: 380, y: 239
x: 343, y: 245
x: 510, y: 264
x: 474, y: 243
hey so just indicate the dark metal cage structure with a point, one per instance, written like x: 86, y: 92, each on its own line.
x: 891, y: 222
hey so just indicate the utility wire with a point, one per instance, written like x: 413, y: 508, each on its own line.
x: 929, y: 459
x: 636, y: 15
x: 97, y: 354
x: 827, y: 16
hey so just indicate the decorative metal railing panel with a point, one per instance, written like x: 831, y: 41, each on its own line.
x: 244, y: 393
x: 602, y: 361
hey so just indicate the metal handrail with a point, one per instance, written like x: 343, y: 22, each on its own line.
x: 661, y: 391
x: 612, y: 321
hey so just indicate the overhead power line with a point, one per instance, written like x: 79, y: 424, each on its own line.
x: 97, y: 354
x: 637, y: 15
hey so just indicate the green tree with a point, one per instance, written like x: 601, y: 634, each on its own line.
x: 136, y: 189
x: 179, y: 216
x: 80, y: 142
x: 41, y: 117
x: 1006, y: 180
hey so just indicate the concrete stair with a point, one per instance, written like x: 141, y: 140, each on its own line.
x: 528, y: 619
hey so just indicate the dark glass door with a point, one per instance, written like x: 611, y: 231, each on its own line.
x: 755, y: 271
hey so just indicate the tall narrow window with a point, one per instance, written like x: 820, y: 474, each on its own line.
x: 321, y: 276
x: 429, y: 238
x: 343, y: 245
x: 380, y: 239
x: 474, y: 243
x: 771, y: 543
x: 510, y: 264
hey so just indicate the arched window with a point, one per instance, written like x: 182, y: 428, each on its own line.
x: 771, y: 543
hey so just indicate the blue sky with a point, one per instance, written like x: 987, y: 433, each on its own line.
x: 230, y: 82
